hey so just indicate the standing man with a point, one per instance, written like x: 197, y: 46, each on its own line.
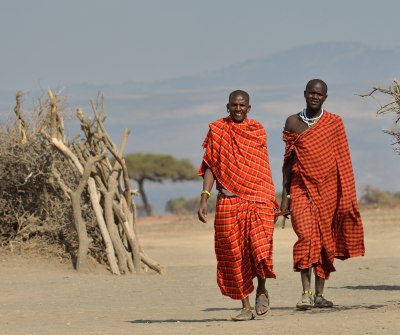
x: 236, y: 157
x: 318, y: 187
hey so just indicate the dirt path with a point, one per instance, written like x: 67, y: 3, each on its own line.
x: 41, y: 296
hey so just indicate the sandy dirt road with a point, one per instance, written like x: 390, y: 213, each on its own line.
x: 41, y: 296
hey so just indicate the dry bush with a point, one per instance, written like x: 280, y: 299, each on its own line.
x: 374, y: 197
x: 32, y: 205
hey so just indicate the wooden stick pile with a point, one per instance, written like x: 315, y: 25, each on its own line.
x: 109, y: 189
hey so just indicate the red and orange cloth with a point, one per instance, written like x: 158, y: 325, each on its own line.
x: 238, y: 157
x: 324, y: 208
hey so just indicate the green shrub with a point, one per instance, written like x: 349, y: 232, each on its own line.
x: 184, y: 206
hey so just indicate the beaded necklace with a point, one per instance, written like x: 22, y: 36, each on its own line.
x: 309, y: 121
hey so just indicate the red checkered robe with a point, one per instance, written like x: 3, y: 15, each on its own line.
x: 325, y: 213
x: 237, y: 155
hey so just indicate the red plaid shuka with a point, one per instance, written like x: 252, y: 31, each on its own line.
x: 237, y: 155
x: 325, y: 214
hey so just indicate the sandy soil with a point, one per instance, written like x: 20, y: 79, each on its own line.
x: 41, y: 296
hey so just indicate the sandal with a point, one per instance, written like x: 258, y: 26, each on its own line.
x: 321, y: 302
x: 245, y: 315
x: 306, y: 301
x: 262, y: 300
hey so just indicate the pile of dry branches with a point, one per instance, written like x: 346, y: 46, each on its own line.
x: 391, y: 107
x: 73, y: 193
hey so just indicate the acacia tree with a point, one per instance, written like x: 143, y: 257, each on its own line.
x: 157, y: 168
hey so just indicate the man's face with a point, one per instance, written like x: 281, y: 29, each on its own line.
x: 238, y: 107
x: 315, y: 95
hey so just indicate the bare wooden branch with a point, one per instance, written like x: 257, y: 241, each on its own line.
x: 103, y: 227
x: 80, y: 225
x: 67, y: 191
x: 22, y: 126
x: 130, y: 234
x: 393, y: 92
x: 151, y: 263
x: 367, y: 94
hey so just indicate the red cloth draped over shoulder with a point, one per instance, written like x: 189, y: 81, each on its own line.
x: 237, y: 155
x: 322, y: 174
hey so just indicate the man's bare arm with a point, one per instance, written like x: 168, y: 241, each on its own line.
x: 208, y: 182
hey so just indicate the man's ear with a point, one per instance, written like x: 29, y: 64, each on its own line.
x: 249, y: 109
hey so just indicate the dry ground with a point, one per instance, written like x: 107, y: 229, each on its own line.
x: 42, y: 296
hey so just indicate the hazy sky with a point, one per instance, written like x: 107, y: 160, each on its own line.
x: 56, y: 43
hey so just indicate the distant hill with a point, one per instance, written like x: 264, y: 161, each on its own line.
x: 339, y: 63
x: 172, y: 116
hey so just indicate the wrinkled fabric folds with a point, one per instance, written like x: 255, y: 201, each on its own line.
x: 243, y: 244
x: 238, y: 157
x: 325, y: 214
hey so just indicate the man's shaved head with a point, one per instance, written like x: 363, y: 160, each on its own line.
x: 239, y: 92
x: 319, y: 81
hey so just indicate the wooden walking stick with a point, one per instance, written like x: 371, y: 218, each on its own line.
x: 285, y: 214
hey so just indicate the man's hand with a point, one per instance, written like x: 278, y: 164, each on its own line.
x: 203, y: 208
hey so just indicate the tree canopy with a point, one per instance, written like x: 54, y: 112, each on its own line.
x: 157, y: 168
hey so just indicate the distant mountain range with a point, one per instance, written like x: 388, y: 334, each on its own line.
x: 172, y: 116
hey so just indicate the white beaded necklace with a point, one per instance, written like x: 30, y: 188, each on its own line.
x: 309, y: 121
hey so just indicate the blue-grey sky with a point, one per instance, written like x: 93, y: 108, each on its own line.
x: 55, y: 43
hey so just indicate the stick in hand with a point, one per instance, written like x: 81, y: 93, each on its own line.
x: 285, y: 214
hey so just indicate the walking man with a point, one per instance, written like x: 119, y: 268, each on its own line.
x: 319, y: 189
x: 236, y: 158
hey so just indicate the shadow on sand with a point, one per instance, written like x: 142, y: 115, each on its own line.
x: 180, y: 321
x: 291, y: 310
x: 373, y: 287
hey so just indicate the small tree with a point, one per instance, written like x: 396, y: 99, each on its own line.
x: 157, y: 168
